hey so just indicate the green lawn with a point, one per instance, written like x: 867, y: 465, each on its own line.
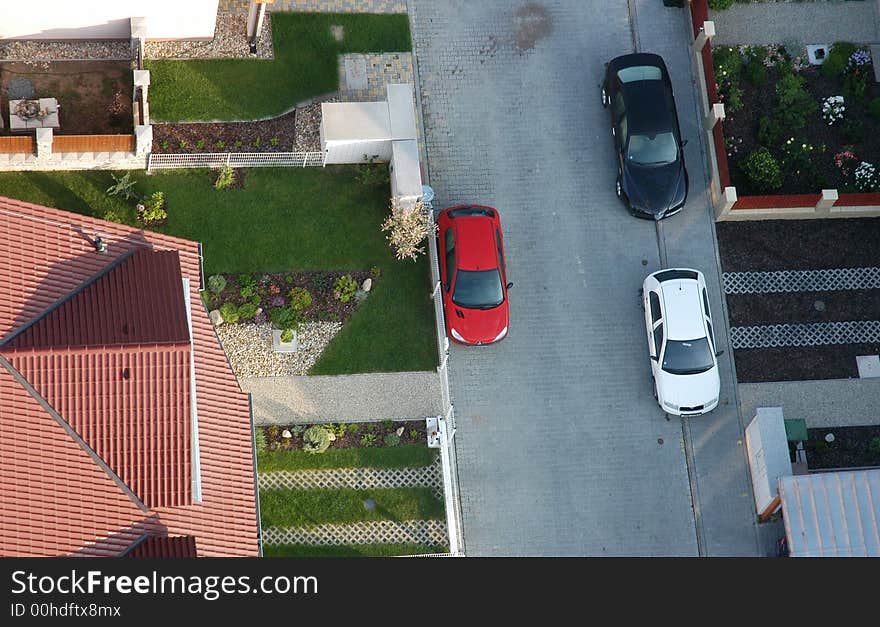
x: 285, y: 219
x: 305, y: 65
x: 297, y: 508
x: 361, y: 550
x: 405, y: 456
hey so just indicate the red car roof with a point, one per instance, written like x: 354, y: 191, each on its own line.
x: 475, y: 245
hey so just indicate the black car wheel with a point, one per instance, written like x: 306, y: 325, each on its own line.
x: 654, y: 387
x: 618, y: 187
x: 604, y: 97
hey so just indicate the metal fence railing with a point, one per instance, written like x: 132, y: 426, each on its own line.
x: 159, y: 161
x: 446, y: 422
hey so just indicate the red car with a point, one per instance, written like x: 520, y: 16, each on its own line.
x: 473, y: 274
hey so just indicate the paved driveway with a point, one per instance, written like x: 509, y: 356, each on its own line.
x: 561, y: 448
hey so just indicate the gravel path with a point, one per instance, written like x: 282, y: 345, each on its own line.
x: 65, y: 50
x: 344, y: 398
x: 249, y: 349
x: 230, y: 42
x: 761, y: 23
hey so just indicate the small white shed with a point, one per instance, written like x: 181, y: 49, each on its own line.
x: 355, y: 132
x: 767, y: 448
x: 832, y: 514
x: 406, y: 173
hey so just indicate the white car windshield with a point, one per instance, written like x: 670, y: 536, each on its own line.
x: 656, y: 149
x: 688, y: 356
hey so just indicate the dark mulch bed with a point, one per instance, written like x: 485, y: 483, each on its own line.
x: 850, y: 449
x: 85, y: 91
x: 761, y: 101
x: 800, y: 307
x: 414, y: 432
x: 275, y: 135
x: 808, y: 363
x: 325, y: 306
x: 798, y: 244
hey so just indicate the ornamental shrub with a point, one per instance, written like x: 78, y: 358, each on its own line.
x: 316, y: 439
x: 229, y: 311
x: 154, y: 208
x: 287, y: 335
x: 225, y: 178
x: 247, y: 311
x: 300, y: 299
x: 763, y: 171
x: 838, y: 57
x: 344, y: 288
x: 720, y: 5
x: 285, y: 318
x: 407, y: 229
x: 391, y: 439
x: 853, y: 130
x: 794, y: 102
x: 260, y: 439
x: 368, y: 440
x: 755, y: 72
x: 727, y: 61
x: 338, y: 429
x: 769, y: 131
x: 216, y: 283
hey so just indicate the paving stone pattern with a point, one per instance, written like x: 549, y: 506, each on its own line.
x: 561, y: 447
x: 356, y: 478
x: 371, y: 532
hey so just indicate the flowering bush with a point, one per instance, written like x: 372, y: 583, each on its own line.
x: 279, y: 301
x: 845, y: 160
x: 344, y: 288
x: 866, y: 177
x: 408, y: 229
x: 859, y: 57
x: 832, y: 109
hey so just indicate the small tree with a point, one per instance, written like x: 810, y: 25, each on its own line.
x: 408, y: 227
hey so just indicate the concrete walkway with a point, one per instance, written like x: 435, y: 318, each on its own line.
x: 829, y: 403
x: 761, y: 23
x: 344, y: 398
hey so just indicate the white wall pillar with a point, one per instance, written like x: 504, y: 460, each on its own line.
x: 716, y: 114
x: 725, y: 204
x: 143, y: 136
x: 44, y: 142
x: 829, y: 197
x: 142, y: 80
x: 707, y: 32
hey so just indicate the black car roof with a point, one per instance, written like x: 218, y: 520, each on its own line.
x: 642, y: 111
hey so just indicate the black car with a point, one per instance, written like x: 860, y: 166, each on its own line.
x: 651, y: 178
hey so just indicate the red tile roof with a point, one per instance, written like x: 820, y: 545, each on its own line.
x: 154, y: 546
x: 96, y: 439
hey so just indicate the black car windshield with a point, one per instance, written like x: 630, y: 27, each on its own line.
x: 478, y: 289
x: 652, y: 149
x: 688, y: 356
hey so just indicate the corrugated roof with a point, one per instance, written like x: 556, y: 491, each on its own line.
x: 832, y: 514
x: 56, y: 496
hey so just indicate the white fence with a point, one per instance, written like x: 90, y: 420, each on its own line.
x: 162, y: 161
x: 447, y: 420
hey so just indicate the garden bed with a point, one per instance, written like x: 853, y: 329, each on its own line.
x: 853, y: 447
x: 783, y: 136
x: 296, y: 131
x: 350, y: 435
x: 86, y: 92
x: 769, y: 245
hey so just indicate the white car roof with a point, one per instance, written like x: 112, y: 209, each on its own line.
x: 683, y: 310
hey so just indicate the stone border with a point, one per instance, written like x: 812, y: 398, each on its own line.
x: 801, y: 281
x: 808, y: 334
x: 432, y: 532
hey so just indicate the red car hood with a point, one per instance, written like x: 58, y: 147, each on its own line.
x: 476, y: 326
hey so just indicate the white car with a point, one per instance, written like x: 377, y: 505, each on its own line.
x: 681, y: 342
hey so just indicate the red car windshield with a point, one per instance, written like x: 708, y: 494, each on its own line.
x: 478, y: 289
